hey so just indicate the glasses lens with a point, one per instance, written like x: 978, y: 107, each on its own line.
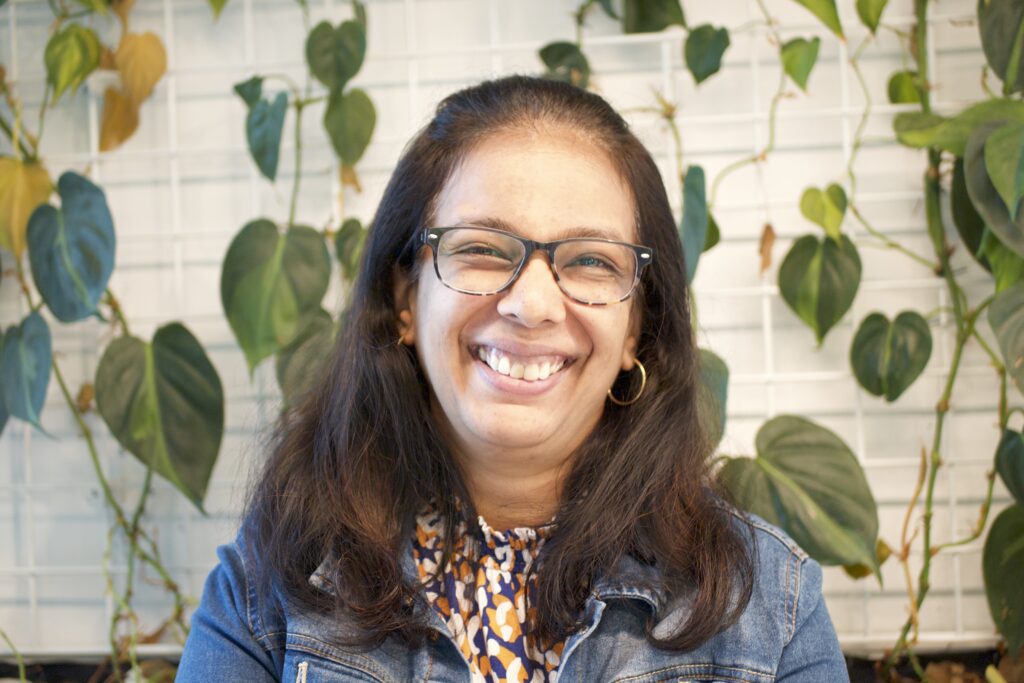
x: 595, y: 271
x: 479, y: 261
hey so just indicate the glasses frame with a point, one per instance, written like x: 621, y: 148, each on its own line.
x: 431, y: 237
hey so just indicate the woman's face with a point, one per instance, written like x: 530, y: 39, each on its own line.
x: 544, y: 187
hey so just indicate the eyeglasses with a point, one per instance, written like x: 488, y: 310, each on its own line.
x: 486, y: 261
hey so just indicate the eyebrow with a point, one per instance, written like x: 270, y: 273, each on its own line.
x: 502, y: 224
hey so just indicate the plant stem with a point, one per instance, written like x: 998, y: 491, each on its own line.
x: 17, y: 656
x: 858, y: 136
x: 6, y: 128
x: 892, y: 244
x: 299, y: 105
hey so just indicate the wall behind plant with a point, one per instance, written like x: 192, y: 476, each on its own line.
x: 182, y: 187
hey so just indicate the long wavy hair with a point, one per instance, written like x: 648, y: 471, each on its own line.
x: 355, y: 460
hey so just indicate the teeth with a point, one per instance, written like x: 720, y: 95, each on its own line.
x: 529, y: 372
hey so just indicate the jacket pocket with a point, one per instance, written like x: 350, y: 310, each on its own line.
x: 699, y: 673
x: 301, y: 666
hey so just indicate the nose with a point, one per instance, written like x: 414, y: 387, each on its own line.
x: 535, y: 297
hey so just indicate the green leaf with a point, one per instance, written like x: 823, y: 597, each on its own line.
x: 968, y: 223
x: 825, y: 10
x: 250, y: 91
x: 859, y: 571
x: 1001, y: 24
x: 348, y: 246
x: 269, y: 282
x: 566, y: 63
x: 704, y: 49
x: 807, y: 481
x: 263, y: 128
x: 714, y: 234
x: 693, y: 229
x: 335, y: 55
x: 903, y: 88
x: 217, y: 6
x: 299, y: 364
x: 1001, y: 560
x: 1004, y: 161
x: 984, y: 195
x: 71, y: 55
x: 1006, y: 317
x: 606, y: 5
x: 1010, y: 463
x: 1007, y: 268
x: 359, y: 10
x: 713, y: 394
x: 819, y: 280
x: 25, y: 367
x: 826, y: 208
x: 651, y: 16
x: 350, y: 119
x: 71, y: 249
x: 165, y: 405
x: 887, y: 357
x: 798, y: 59
x: 870, y: 12
x: 917, y: 129
x: 100, y: 6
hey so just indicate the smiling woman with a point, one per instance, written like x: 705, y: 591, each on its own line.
x: 503, y: 471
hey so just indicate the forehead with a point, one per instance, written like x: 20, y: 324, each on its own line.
x: 542, y: 185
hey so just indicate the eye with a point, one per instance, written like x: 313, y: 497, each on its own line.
x: 593, y: 261
x: 479, y: 249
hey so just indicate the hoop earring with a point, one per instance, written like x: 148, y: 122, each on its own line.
x: 643, y: 384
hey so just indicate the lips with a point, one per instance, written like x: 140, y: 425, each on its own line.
x: 525, y: 367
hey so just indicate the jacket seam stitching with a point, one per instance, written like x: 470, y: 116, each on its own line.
x: 788, y: 543
x: 248, y: 596
x: 318, y: 653
x: 796, y: 602
x: 685, y: 667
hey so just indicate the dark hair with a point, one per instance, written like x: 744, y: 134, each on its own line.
x: 360, y: 455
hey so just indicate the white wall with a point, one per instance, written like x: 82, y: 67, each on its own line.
x: 184, y: 185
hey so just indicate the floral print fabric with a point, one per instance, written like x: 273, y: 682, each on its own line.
x: 483, y: 600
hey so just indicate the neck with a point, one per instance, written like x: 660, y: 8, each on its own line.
x: 510, y: 492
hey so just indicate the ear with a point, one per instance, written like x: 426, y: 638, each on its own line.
x: 405, y: 303
x: 629, y: 348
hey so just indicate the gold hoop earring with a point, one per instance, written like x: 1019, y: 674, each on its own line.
x: 643, y: 384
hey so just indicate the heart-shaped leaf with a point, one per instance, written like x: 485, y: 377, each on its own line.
x: 25, y: 367
x: 335, y: 55
x: 888, y: 356
x: 72, y: 53
x: 714, y: 234
x: 798, y: 58
x: 348, y: 246
x: 714, y: 393
x: 24, y: 185
x: 270, y: 282
x: 870, y: 12
x: 606, y: 5
x: 142, y: 61
x: 359, y: 10
x: 299, y: 363
x: 826, y: 11
x: 350, y: 119
x: 984, y: 195
x: 1001, y: 23
x: 165, y: 405
x: 693, y: 230
x: 704, y: 49
x: 565, y: 62
x: 807, y: 481
x: 1007, y: 268
x: 263, y: 127
x: 918, y: 129
x: 71, y: 249
x: 826, y: 208
x: 968, y: 223
x: 1010, y: 463
x: 903, y: 88
x: 819, y: 280
x: 1006, y: 317
x: 1004, y: 161
x: 250, y: 91
x: 119, y: 121
x: 651, y: 16
x: 1001, y: 561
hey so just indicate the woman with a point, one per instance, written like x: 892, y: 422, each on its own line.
x: 503, y: 473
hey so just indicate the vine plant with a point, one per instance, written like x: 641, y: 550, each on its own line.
x: 804, y: 477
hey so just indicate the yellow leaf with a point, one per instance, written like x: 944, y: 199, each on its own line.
x: 142, y: 61
x: 23, y: 187
x: 350, y: 178
x: 119, y: 121
x: 106, y: 58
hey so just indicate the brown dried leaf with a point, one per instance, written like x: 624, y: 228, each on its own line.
x: 1012, y: 668
x: 119, y: 121
x: 122, y: 8
x: 23, y: 187
x: 142, y: 61
x: 951, y: 672
x: 765, y: 247
x: 350, y: 178
x: 86, y: 394
x: 107, y: 58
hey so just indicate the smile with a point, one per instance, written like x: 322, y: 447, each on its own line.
x: 527, y: 368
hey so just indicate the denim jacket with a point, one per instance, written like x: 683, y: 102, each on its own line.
x: 784, y: 634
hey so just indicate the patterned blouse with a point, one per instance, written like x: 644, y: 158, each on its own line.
x: 486, y: 622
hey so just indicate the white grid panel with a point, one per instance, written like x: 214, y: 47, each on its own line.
x: 184, y: 185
